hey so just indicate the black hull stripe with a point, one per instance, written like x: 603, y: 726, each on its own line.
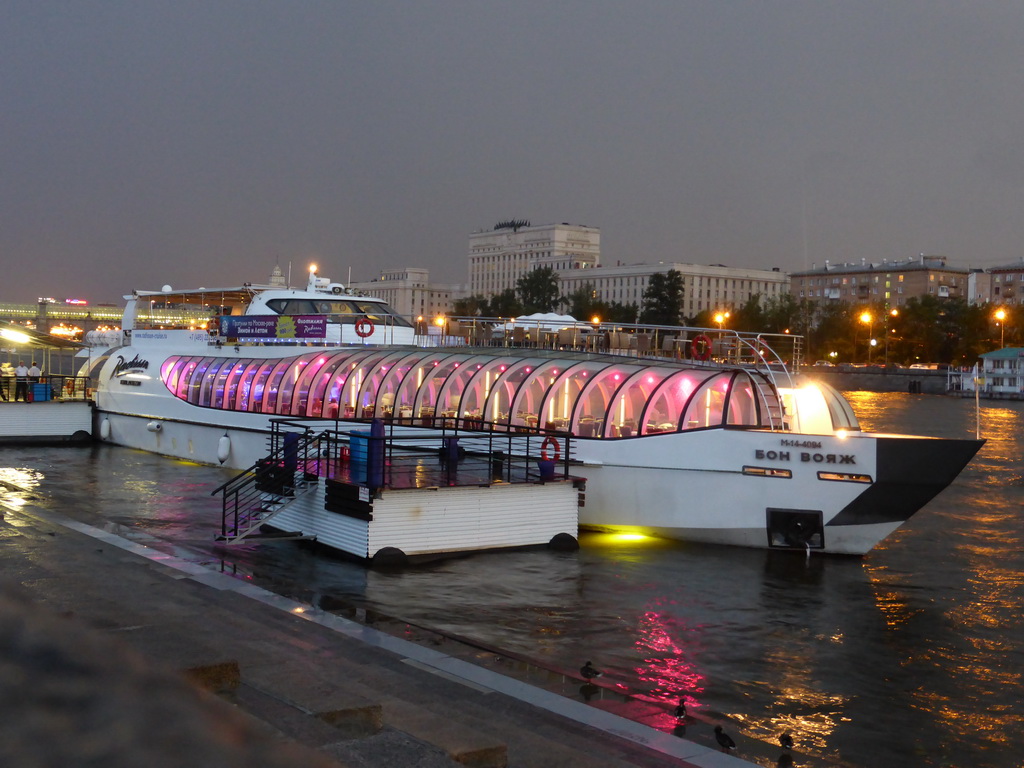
x: 910, y: 472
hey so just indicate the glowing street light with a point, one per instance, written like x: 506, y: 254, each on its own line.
x: 1000, y: 317
x: 868, y: 320
x: 720, y: 318
x: 893, y: 313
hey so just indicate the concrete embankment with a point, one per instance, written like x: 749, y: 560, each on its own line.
x: 882, y: 380
x: 98, y: 635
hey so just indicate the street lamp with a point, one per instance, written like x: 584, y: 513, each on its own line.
x: 893, y: 313
x: 1000, y: 317
x: 868, y: 320
x: 720, y: 318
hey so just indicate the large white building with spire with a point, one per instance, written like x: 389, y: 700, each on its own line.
x: 498, y: 257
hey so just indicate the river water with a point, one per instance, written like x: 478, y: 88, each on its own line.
x: 910, y: 656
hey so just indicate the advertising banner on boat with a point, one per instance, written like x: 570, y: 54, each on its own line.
x: 274, y: 326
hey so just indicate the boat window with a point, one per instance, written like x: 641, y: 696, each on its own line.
x: 563, y: 396
x: 839, y: 408
x: 460, y: 395
x: 742, y: 402
x: 195, y: 379
x: 505, y: 393
x: 408, y: 391
x: 381, y: 313
x: 325, y: 391
x: 307, y: 369
x: 286, y: 386
x: 594, y: 402
x: 270, y: 393
x: 206, y: 389
x: 538, y: 396
x: 370, y: 371
x: 292, y: 306
x: 335, y: 308
x: 175, y: 372
x: 668, y: 401
x: 630, y: 403
x: 392, y: 393
x: 487, y: 394
x: 705, y: 408
x: 259, y: 382
x: 427, y: 404
x: 242, y: 387
x: 215, y: 399
x: 227, y: 384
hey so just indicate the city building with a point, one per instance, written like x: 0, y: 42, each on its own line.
x: 888, y: 282
x: 1007, y: 283
x: 705, y: 287
x: 410, y: 292
x: 500, y: 256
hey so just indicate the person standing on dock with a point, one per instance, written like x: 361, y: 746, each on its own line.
x: 21, y: 382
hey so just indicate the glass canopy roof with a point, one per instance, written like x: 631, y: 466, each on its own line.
x: 588, y: 396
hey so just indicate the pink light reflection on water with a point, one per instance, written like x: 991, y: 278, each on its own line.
x: 667, y: 673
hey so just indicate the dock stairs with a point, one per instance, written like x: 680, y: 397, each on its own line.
x: 260, y: 493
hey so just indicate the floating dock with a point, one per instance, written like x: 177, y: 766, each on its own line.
x: 388, y: 499
x: 45, y: 422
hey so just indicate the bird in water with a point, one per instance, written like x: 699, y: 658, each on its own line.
x: 724, y: 739
x: 786, y: 740
x: 589, y: 671
x: 680, y: 711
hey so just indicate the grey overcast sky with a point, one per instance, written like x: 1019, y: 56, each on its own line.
x: 201, y: 142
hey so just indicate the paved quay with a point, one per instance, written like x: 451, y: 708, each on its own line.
x: 116, y: 654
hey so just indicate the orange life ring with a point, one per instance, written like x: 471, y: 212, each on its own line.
x: 553, y: 444
x: 69, y: 387
x: 700, y: 347
x: 364, y: 327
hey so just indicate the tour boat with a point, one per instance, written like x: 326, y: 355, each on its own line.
x: 694, y: 436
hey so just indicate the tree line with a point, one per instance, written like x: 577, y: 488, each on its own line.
x: 925, y: 329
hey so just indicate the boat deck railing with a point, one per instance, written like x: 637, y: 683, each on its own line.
x: 713, y: 346
x: 52, y: 387
x: 429, y: 455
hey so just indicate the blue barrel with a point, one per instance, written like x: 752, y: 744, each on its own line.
x: 359, y: 446
x: 375, y: 455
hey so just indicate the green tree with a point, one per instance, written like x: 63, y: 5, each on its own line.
x: 663, y: 299
x: 583, y: 303
x: 751, y: 317
x: 504, y: 304
x: 538, y: 290
x: 471, y: 306
x: 621, y: 313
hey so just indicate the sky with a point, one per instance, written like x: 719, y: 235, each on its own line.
x: 194, y: 144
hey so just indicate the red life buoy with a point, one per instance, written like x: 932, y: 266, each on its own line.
x: 364, y: 327
x: 700, y: 347
x: 550, y: 442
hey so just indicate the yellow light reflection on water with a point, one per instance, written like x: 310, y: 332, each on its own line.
x: 23, y: 478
